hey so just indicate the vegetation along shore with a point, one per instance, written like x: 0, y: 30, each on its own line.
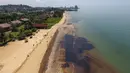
x: 18, y: 25
x: 34, y: 35
x: 41, y: 40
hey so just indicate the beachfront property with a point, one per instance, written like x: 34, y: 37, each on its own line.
x: 5, y: 27
x: 40, y: 26
x: 14, y: 30
x: 24, y: 26
x: 16, y: 23
x: 24, y: 19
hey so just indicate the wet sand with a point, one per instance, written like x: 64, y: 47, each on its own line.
x: 96, y: 62
x: 20, y: 57
x: 16, y: 53
x: 54, y: 63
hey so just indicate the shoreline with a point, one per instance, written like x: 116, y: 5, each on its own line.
x: 53, y: 64
x: 97, y: 63
x: 22, y: 53
x: 102, y: 64
x: 97, y: 55
x: 100, y: 60
x: 91, y: 58
x: 33, y: 57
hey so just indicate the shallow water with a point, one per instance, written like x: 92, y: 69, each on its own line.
x: 108, y: 28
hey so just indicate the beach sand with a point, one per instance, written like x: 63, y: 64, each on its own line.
x: 21, y: 57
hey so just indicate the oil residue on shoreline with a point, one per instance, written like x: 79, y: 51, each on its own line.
x: 73, y: 54
x: 79, y: 57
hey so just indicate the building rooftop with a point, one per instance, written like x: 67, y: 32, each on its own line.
x: 24, y: 19
x: 5, y: 25
x: 16, y: 22
x: 40, y: 25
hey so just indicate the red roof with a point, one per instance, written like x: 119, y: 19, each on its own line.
x: 40, y: 25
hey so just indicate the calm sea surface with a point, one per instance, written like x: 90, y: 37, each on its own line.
x: 108, y: 28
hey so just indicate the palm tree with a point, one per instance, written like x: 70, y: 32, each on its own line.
x: 3, y: 37
x: 28, y: 25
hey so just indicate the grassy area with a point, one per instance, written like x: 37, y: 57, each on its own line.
x: 14, y: 34
x: 52, y: 21
x: 21, y: 28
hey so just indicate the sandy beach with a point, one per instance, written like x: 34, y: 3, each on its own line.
x: 96, y: 62
x: 21, y: 57
x: 41, y: 53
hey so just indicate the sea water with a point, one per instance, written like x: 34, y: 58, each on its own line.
x: 108, y: 28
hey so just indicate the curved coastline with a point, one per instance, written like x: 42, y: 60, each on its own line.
x: 36, y: 54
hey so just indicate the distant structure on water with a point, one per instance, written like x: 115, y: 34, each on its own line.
x: 25, y: 8
x: 72, y: 8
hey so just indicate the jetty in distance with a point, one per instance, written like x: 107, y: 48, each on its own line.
x: 72, y: 8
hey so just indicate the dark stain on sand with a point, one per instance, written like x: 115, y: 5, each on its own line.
x: 75, y: 47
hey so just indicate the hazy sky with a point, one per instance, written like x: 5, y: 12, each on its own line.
x: 65, y: 2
